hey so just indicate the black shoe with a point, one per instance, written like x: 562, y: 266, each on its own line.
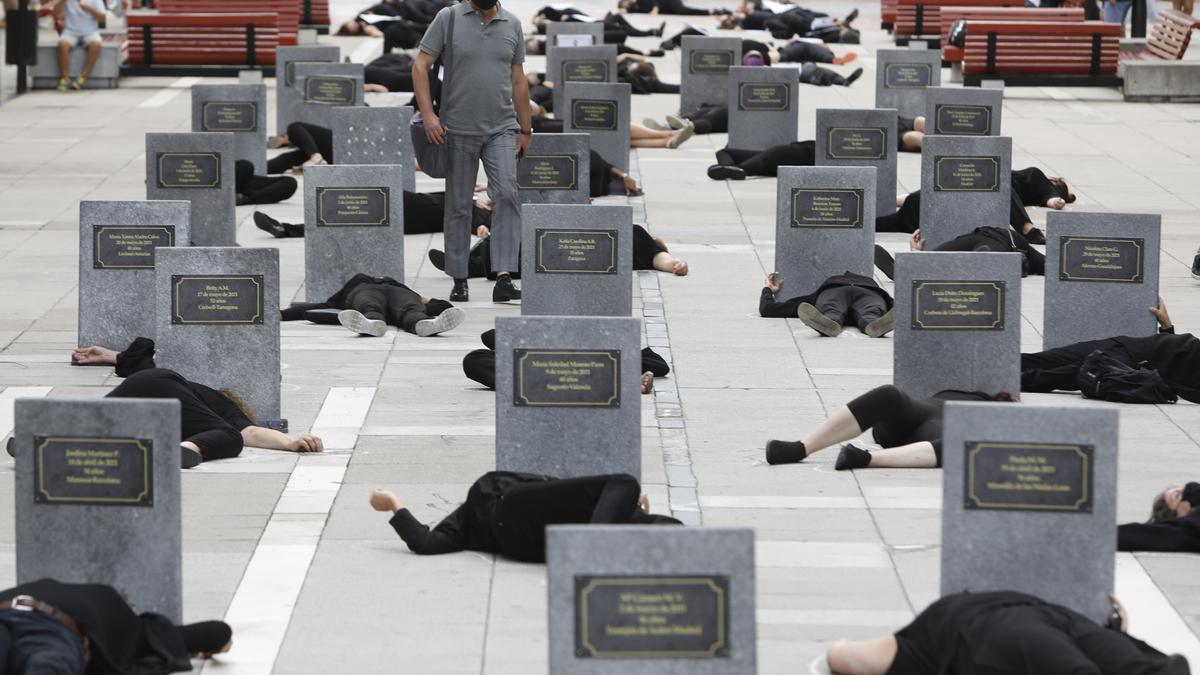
x: 437, y: 259
x: 656, y: 53
x: 852, y: 457
x: 666, y: 45
x: 785, y: 452
x: 504, y: 290
x: 850, y: 18
x: 460, y: 293
x: 1196, y: 267
x: 1035, y: 236
x: 269, y: 225
x: 243, y: 200
x: 853, y: 76
x: 294, y: 231
x: 10, y: 446
x: 722, y: 172
x: 661, y: 27
x: 885, y: 262
x: 190, y: 457
x: 1176, y: 665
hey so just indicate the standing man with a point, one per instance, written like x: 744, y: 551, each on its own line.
x: 484, y: 109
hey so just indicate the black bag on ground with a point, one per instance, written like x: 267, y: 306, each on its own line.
x: 1104, y: 377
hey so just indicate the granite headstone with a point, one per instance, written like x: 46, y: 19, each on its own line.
x: 705, y: 64
x: 1029, y: 502
x: 762, y: 107
x: 1101, y: 276
x: 575, y: 34
x: 594, y: 65
x: 117, y: 241
x: 353, y: 223
x: 555, y: 170
x: 963, y: 111
x: 901, y: 77
x: 824, y: 224
x: 324, y: 87
x: 602, y: 112
x: 365, y: 135
x: 684, y: 605
x: 287, y: 96
x: 567, y: 395
x: 239, y: 109
x: 576, y: 260
x: 852, y: 137
x: 197, y: 168
x: 98, y: 497
x: 958, y: 322
x: 966, y: 182
x: 217, y: 311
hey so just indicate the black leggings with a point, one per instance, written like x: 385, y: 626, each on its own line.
x: 710, y: 119
x: 261, y: 189
x: 767, y: 162
x: 1058, y: 368
x: 677, y: 7
x: 805, y: 52
x: 480, y: 365
x: 617, y: 22
x: 309, y: 139
x: 895, y: 419
x: 397, y: 305
x: 851, y: 305
x: 817, y: 76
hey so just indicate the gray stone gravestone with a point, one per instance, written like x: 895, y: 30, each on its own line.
x: 1029, y: 502
x: 683, y: 605
x: 851, y: 137
x: 197, y: 168
x: 574, y: 30
x: 353, y: 223
x: 705, y: 64
x: 602, y: 112
x: 958, y: 322
x: 97, y: 497
x: 324, y: 87
x: 594, y: 65
x: 239, y: 109
x: 556, y: 170
x: 576, y: 260
x: 901, y: 77
x: 965, y: 111
x: 251, y: 77
x: 824, y: 225
x: 287, y: 96
x: 966, y: 182
x: 365, y: 135
x: 567, y: 395
x: 762, y: 107
x: 218, y: 320
x: 1101, y: 276
x: 117, y: 241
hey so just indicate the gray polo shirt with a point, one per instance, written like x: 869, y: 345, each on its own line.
x: 478, y: 101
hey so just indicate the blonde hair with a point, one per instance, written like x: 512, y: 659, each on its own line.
x: 237, y: 401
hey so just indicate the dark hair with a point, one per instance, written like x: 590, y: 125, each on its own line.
x: 1005, y: 397
x: 1159, y: 511
x: 1060, y: 184
x: 850, y: 36
x: 344, y: 29
x: 237, y: 400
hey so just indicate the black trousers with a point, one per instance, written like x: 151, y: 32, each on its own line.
x: 480, y: 365
x: 677, y: 7
x: 767, y: 162
x: 979, y: 242
x: 397, y: 305
x: 309, y: 139
x: 851, y: 305
x: 908, y: 217
x: 32, y: 642
x: 613, y: 21
x: 817, y: 76
x: 895, y: 418
x: 805, y: 52
x: 710, y: 119
x: 261, y: 189
x: 402, y: 34
x: 1058, y: 368
x: 522, y: 514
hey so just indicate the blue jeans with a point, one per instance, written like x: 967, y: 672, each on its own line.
x: 499, y: 155
x: 1117, y: 13
x: 31, y: 642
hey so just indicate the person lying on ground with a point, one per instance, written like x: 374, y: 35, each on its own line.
x: 48, y: 627
x: 843, y: 300
x: 313, y: 143
x: 910, y: 430
x: 213, y: 424
x: 809, y: 73
x: 737, y: 164
x: 1174, y: 525
x: 1175, y: 357
x: 370, y: 304
x: 642, y: 78
x: 791, y: 21
x: 675, y: 7
x: 480, y: 365
x: 423, y: 214
x: 994, y: 239
x: 1003, y: 632
x: 507, y: 512
x: 252, y: 189
x: 613, y: 23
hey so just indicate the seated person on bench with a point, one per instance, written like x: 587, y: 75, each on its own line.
x: 370, y: 304
x: 81, y: 27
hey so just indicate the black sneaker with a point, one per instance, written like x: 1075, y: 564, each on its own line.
x: 853, y: 76
x: 437, y: 259
x: 1196, y: 267
x: 190, y: 457
x: 723, y: 172
x: 269, y: 225
x: 10, y: 446
x: 850, y: 18
x: 505, y: 290
x: 785, y: 452
x: 460, y: 293
x: 852, y: 457
x: 1036, y: 236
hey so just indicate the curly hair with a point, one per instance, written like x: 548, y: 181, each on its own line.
x: 237, y: 400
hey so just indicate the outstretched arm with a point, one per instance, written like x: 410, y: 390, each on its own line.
x: 270, y: 439
x: 449, y: 535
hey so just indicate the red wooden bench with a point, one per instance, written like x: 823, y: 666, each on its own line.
x: 952, y: 54
x: 1168, y: 39
x: 1084, y: 53
x: 887, y: 13
x: 922, y: 19
x: 287, y: 10
x: 315, y: 14
x: 201, y: 43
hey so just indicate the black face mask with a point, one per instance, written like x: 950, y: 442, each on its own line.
x: 484, y: 5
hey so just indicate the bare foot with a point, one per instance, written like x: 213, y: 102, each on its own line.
x: 647, y: 382
x: 644, y: 502
x: 93, y: 356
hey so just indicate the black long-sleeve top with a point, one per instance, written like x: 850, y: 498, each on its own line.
x: 769, y: 308
x: 296, y: 311
x: 1033, y: 188
x: 1175, y: 357
x: 1177, y: 535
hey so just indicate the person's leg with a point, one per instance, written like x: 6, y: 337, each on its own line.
x: 919, y: 455
x: 1032, y: 640
x: 423, y: 212
x: 286, y: 161
x: 907, y: 217
x: 866, y: 307
x: 302, y: 136
x: 767, y: 163
x: 500, y: 165
x: 41, y: 645
x: 1059, y: 368
x: 365, y: 311
x: 862, y: 657
x: 64, y: 62
x: 464, y: 154
x: 94, y: 46
x: 1115, y: 653
x: 403, y: 307
x: 677, y: 7
x: 480, y: 366
x: 847, y: 422
x: 264, y: 190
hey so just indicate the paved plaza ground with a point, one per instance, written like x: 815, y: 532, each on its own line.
x: 287, y: 549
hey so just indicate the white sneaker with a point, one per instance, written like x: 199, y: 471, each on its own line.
x: 360, y: 324
x: 651, y: 123
x: 447, y: 320
x: 676, y: 121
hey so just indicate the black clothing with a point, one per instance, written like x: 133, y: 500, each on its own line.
x: 377, y: 298
x: 612, y: 22
x: 424, y: 212
x: 253, y: 189
x: 830, y: 293
x: 600, y: 175
x: 896, y: 419
x: 811, y: 73
x: 767, y: 162
x: 508, y: 512
x: 1001, y: 241
x: 309, y: 139
x: 1030, y: 187
x: 666, y: 7
x: 33, y: 642
x: 643, y: 83
x: 644, y: 249
x: 1010, y: 632
x: 1176, y: 535
x: 393, y: 71
x: 207, y: 417
x: 805, y: 52
x: 710, y: 119
x: 1175, y: 357
x: 480, y: 365
x: 1033, y: 188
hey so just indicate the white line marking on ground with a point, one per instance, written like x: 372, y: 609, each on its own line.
x: 161, y: 98
x: 342, y: 415
x: 10, y: 395
x: 1151, y: 616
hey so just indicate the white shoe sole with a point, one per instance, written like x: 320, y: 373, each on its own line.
x: 675, y: 122
x: 813, y: 318
x: 360, y: 324
x: 447, y: 320
x: 651, y: 123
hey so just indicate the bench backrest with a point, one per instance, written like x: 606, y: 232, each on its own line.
x: 924, y: 17
x: 287, y: 10
x: 1171, y: 34
x: 1068, y: 48
x: 202, y: 39
x: 1026, y: 14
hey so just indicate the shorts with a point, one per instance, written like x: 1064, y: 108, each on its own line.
x: 80, y: 39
